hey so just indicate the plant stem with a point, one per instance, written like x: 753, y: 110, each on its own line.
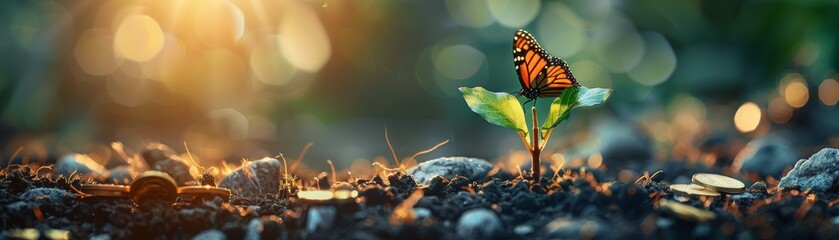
x: 535, y: 164
x: 545, y: 138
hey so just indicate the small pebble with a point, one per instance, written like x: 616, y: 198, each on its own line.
x: 449, y: 167
x: 479, y: 223
x: 211, y: 234
x: 254, y: 229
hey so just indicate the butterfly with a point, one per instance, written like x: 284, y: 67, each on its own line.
x: 540, y: 74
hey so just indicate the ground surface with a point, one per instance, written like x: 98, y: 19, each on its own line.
x: 580, y: 203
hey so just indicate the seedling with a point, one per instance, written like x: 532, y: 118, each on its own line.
x: 504, y: 109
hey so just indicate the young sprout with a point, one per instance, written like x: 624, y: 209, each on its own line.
x: 413, y: 158
x: 206, y: 177
x: 287, y: 183
x: 505, y: 110
x: 332, y: 167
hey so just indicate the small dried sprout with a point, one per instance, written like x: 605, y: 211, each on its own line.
x: 14, y: 155
x: 404, y: 165
x: 332, y: 167
x: 300, y: 156
x: 206, y: 176
x: 288, y: 180
x: 404, y: 212
x: 37, y: 172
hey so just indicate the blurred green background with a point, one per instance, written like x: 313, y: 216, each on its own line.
x: 251, y: 78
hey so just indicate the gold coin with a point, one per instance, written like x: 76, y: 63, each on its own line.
x: 153, y: 185
x: 686, y: 212
x: 106, y: 190
x: 719, y: 183
x: 206, y: 192
x: 32, y: 233
x: 692, y: 190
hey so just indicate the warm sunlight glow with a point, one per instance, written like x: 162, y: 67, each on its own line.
x: 219, y: 23
x: 94, y: 52
x: 138, y: 38
x: 747, y: 117
x: 303, y: 42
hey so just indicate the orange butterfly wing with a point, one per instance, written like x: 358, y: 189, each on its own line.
x: 558, y: 77
x: 539, y: 70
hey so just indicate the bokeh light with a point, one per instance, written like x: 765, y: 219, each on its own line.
x: 829, y: 92
x: 268, y: 64
x: 94, y: 52
x: 591, y: 74
x: 219, y: 22
x: 747, y: 117
x: 796, y: 94
x: 459, y: 61
x: 470, y: 13
x: 658, y: 62
x: 779, y: 111
x: 617, y: 45
x: 245, y: 78
x: 138, y: 38
x: 514, y: 13
x: 303, y: 40
x: 573, y: 39
x: 162, y: 66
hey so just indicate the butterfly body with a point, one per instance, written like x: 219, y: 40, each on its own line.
x: 540, y: 74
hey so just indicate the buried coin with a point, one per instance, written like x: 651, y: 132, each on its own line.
x: 692, y: 190
x: 718, y: 183
x: 686, y: 212
x: 203, y: 192
x: 153, y: 185
x: 106, y: 190
x: 33, y: 233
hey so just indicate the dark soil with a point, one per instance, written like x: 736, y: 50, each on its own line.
x: 603, y: 209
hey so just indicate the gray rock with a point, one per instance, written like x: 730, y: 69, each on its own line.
x: 80, y: 164
x: 578, y: 228
x: 819, y: 173
x: 320, y: 218
x: 120, y: 175
x: 449, y: 167
x: 177, y: 168
x: 421, y: 213
x: 154, y: 152
x: 211, y: 234
x: 262, y: 177
x: 523, y: 229
x: 254, y: 230
x: 766, y: 157
x: 479, y: 223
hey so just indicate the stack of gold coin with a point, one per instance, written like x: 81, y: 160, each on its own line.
x: 191, y: 193
x: 692, y: 190
x: 708, y: 185
x: 686, y: 212
x: 106, y: 190
x: 719, y: 183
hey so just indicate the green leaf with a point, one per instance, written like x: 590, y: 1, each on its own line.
x: 571, y: 98
x: 498, y: 108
